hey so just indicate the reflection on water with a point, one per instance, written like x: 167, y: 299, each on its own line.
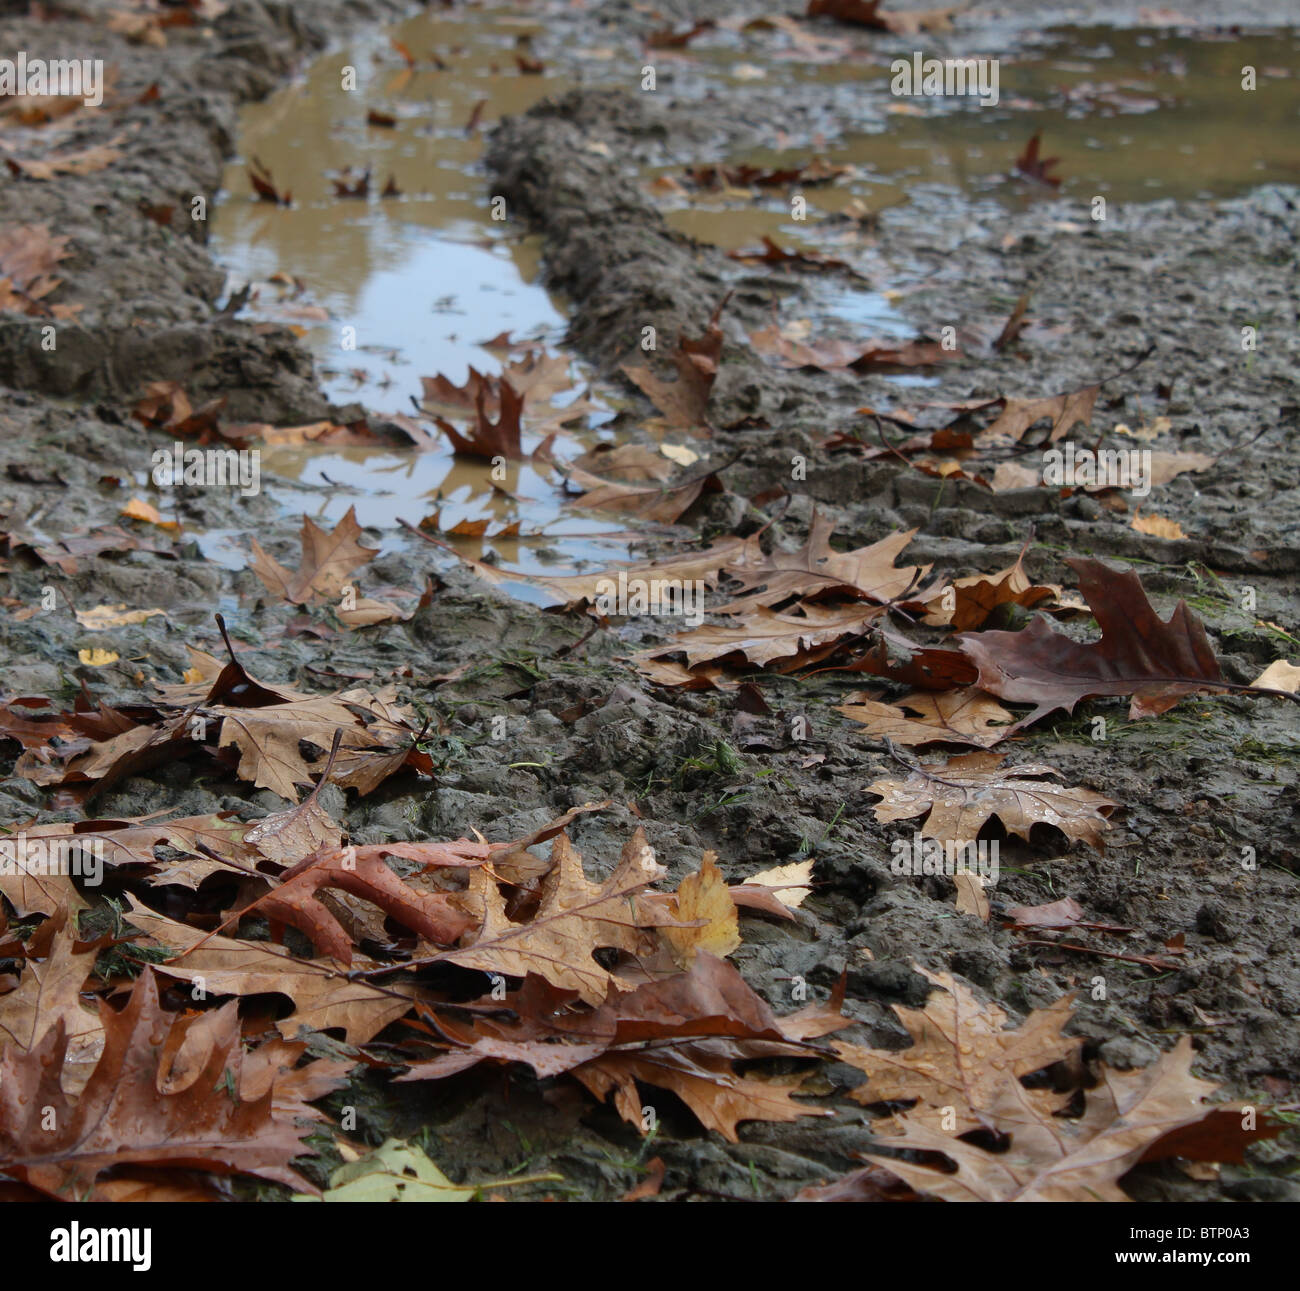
x: 423, y: 277
x: 1133, y: 115
x: 386, y: 290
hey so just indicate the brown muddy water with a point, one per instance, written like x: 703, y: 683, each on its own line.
x: 386, y: 290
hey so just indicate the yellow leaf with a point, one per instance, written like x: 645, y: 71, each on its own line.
x: 97, y: 658
x: 112, y: 616
x: 704, y: 895
x: 1157, y: 526
x: 1279, y: 675
x: 679, y: 453
x: 790, y: 880
x: 137, y: 509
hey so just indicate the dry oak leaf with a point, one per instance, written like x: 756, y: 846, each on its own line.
x: 789, y: 883
x: 323, y: 997
x: 627, y: 463
x: 101, y: 617
x: 396, y: 1171
x: 268, y: 727
x: 838, y: 355
x: 766, y: 637
x: 961, y: 795
x: 1032, y: 166
x: 966, y: 716
x: 1157, y: 526
x: 327, y: 561
x: 121, y: 1118
x: 961, y: 1052
x: 268, y: 739
x: 82, y: 161
x: 34, y: 867
x: 575, y: 918
x: 1139, y: 654
x: 818, y: 570
x: 1053, y: 1159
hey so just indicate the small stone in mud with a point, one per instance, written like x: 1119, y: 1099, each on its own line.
x: 1212, y: 921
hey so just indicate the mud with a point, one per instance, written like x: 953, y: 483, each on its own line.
x: 1197, y: 785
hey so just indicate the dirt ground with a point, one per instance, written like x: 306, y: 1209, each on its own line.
x: 1196, y: 785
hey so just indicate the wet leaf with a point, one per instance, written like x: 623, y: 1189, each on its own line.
x: 328, y: 559
x: 121, y: 1119
x: 1139, y: 654
x: 935, y: 717
x: 964, y: 793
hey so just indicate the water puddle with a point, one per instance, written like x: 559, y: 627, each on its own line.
x: 1133, y: 115
x: 410, y: 279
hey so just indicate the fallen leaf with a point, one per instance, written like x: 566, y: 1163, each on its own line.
x: 971, y: 897
x: 818, y: 570
x: 84, y: 161
x: 1279, y: 675
x: 137, y: 509
x: 1157, y: 526
x: 574, y: 919
x: 97, y: 658
x: 684, y: 402
x: 961, y: 1054
x: 101, y: 617
x: 488, y: 438
x: 860, y: 356
x: 327, y: 561
x: 1065, y: 411
x: 1139, y: 654
x: 1034, y: 167
x: 975, y: 598
x: 703, y: 897
x: 790, y: 882
x: 767, y: 637
x: 323, y: 998
x: 28, y: 256
x: 394, y: 1171
x: 120, y: 1119
x: 961, y: 795
x: 867, y: 13
x: 48, y: 995
x: 941, y: 717
x: 1051, y: 1158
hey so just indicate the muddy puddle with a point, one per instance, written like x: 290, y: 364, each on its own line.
x: 409, y: 279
